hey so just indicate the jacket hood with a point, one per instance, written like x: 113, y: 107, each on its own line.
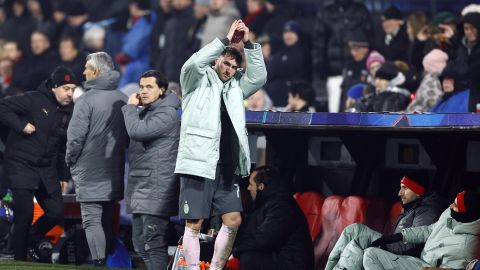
x: 169, y: 100
x: 105, y: 81
x: 465, y: 228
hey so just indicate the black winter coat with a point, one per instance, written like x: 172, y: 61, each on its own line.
x: 330, y: 47
x: 386, y: 101
x: 40, y: 156
x: 178, y: 43
x: 34, y: 69
x: 283, y: 68
x: 423, y: 212
x: 278, y: 226
x: 397, y: 49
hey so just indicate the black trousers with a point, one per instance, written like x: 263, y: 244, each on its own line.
x: 256, y: 260
x: 25, y: 234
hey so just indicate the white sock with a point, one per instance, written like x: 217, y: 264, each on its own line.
x: 223, y: 247
x: 191, y: 248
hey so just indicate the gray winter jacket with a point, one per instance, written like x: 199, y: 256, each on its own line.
x: 425, y: 211
x: 96, y: 141
x: 448, y: 243
x: 154, y: 132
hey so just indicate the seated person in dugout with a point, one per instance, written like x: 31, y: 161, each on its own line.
x: 452, y: 242
x: 419, y: 209
x: 275, y: 234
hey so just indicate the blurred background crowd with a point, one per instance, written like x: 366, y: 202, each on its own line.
x: 337, y: 55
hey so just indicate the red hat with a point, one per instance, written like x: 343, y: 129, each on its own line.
x: 413, y: 185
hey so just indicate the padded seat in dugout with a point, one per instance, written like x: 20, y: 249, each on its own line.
x: 337, y: 213
x: 311, y: 204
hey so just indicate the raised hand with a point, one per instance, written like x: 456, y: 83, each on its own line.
x: 233, y: 27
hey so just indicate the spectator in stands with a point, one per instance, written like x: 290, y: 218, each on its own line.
x: 6, y: 73
x: 77, y: 16
x: 300, y: 97
x: 374, y: 61
x: 353, y: 95
x: 157, y: 37
x: 420, y: 208
x: 416, y: 22
x: 34, y: 157
x: 449, y: 243
x: 134, y: 58
x: 388, y: 96
x: 275, y: 234
x: 278, y: 13
x: 94, y: 39
x: 20, y: 26
x: 393, y: 42
x: 455, y: 92
x: 355, y: 70
x: 152, y: 189
x: 260, y: 101
x: 96, y: 152
x: 213, y: 155
x: 256, y: 18
x: 469, y: 52
x: 330, y: 48
x: 37, y: 66
x: 286, y: 65
x: 71, y: 56
x: 221, y: 15
x: 41, y: 12
x: 430, y: 91
x: 178, y: 43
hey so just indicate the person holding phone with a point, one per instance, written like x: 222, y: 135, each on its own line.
x: 152, y: 188
x: 213, y: 153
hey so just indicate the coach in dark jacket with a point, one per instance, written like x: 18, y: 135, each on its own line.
x: 275, y: 235
x: 152, y: 189
x: 35, y: 154
x: 96, y: 143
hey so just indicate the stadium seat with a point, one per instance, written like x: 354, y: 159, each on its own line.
x: 311, y: 205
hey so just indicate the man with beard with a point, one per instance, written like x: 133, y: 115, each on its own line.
x: 35, y: 156
x: 451, y: 242
x: 275, y: 235
x: 419, y: 209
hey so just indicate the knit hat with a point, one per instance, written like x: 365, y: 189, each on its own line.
x: 142, y: 4
x: 468, y: 203
x: 435, y: 61
x: 61, y: 76
x: 443, y: 17
x: 392, y: 13
x: 414, y: 183
x: 387, y: 71
x: 471, y: 8
x: 357, y: 39
x: 292, y: 26
x: 356, y: 91
x: 374, y: 57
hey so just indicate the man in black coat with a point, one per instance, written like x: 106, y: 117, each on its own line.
x: 393, y: 43
x: 275, y: 235
x: 330, y: 51
x: 35, y: 155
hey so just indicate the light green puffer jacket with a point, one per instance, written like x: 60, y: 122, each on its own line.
x: 448, y: 243
x: 202, y: 89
